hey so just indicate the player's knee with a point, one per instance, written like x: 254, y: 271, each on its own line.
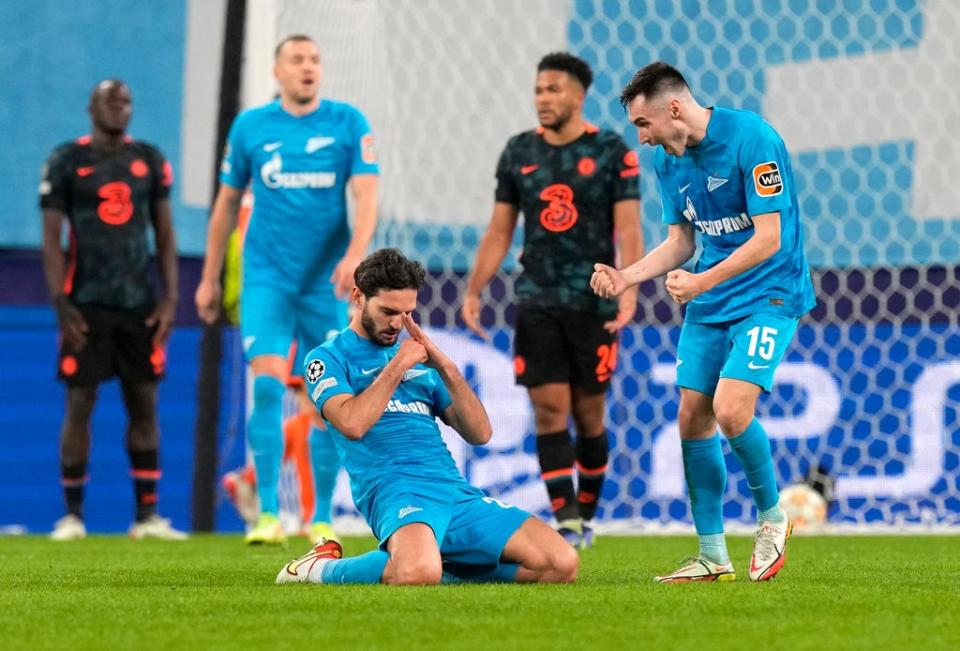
x: 416, y: 572
x: 694, y: 423
x: 733, y: 417
x: 141, y: 402
x: 565, y: 564
x: 80, y: 401
x: 588, y: 423
x: 267, y: 392
x: 550, y: 417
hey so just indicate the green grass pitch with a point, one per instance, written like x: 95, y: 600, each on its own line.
x: 212, y: 592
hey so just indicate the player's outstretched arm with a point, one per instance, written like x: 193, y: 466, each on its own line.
x: 678, y: 247
x: 354, y: 415
x: 223, y: 219
x: 466, y: 413
x: 493, y: 249
x: 684, y: 286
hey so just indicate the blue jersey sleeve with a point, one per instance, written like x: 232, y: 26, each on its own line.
x: 235, y: 166
x: 441, y: 397
x: 364, y: 159
x: 325, y: 376
x: 670, y: 213
x: 764, y: 164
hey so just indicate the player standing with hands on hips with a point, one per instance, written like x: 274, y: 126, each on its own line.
x: 727, y: 175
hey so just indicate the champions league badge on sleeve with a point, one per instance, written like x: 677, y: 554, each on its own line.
x: 315, y: 371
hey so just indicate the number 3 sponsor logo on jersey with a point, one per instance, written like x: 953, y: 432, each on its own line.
x: 767, y: 179
x: 560, y: 214
x: 116, y: 207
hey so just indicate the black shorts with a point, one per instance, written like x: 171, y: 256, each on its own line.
x: 561, y: 345
x: 118, y: 343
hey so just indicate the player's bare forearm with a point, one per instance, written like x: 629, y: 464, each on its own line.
x: 223, y: 219
x: 52, y: 253
x: 626, y: 220
x: 764, y: 242
x: 494, y: 246
x: 466, y: 413
x: 355, y: 416
x: 364, y: 190
x: 678, y: 247
x: 166, y: 249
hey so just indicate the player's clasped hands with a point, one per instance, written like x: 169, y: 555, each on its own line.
x: 433, y: 356
x: 411, y: 353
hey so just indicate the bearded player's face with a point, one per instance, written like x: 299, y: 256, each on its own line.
x: 381, y: 315
x: 298, y: 71
x: 557, y: 96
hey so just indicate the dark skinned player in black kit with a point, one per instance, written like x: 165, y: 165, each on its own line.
x: 111, y: 190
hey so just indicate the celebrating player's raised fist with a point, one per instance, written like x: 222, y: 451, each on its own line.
x: 683, y: 286
x: 607, y: 282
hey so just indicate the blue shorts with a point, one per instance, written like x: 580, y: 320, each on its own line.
x: 271, y: 319
x: 471, y: 528
x: 749, y: 349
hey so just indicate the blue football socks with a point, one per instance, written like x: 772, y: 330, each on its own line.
x: 706, y: 475
x: 265, y: 439
x: 753, y: 450
x: 326, y: 464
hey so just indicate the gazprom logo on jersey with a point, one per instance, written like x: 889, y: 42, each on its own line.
x: 717, y: 227
x: 274, y: 177
x: 415, y: 407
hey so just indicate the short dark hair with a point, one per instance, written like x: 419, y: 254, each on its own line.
x: 388, y: 269
x: 293, y: 38
x: 566, y: 62
x: 651, y: 80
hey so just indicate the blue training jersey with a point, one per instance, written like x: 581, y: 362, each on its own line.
x: 406, y: 441
x: 739, y: 170
x: 298, y: 168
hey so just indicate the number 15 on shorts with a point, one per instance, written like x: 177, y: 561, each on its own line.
x: 759, y: 344
x: 763, y: 342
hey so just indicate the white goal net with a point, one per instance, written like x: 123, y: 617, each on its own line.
x: 865, y: 96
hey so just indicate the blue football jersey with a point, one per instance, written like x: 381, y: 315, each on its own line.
x: 741, y: 169
x: 406, y: 441
x: 298, y: 168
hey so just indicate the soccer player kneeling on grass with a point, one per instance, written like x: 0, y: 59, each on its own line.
x: 382, y: 397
